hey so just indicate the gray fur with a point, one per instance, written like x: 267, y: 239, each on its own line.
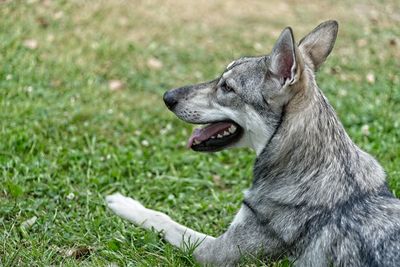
x: 316, y: 197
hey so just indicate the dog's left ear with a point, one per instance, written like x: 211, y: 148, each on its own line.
x: 283, y: 58
x: 318, y: 44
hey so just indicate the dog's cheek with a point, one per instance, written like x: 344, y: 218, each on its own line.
x: 230, y: 100
x: 230, y: 113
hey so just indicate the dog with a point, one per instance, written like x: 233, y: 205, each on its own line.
x: 316, y: 197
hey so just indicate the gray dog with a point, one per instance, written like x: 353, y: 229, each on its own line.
x: 316, y: 197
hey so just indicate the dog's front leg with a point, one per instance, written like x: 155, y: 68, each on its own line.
x: 245, y: 235
x: 176, y: 234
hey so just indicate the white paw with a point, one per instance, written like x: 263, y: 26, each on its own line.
x: 127, y: 208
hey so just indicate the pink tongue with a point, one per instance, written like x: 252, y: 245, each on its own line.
x: 201, y: 134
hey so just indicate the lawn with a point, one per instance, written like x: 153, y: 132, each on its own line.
x: 81, y: 115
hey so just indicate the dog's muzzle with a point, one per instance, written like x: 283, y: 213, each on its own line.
x: 214, y: 135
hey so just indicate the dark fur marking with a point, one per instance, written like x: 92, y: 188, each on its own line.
x: 264, y: 221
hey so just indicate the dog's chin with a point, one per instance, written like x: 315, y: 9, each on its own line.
x: 215, y: 136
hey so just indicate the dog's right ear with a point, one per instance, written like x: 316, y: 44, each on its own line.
x: 318, y: 44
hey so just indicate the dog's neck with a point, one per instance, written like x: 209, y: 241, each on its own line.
x: 311, y: 150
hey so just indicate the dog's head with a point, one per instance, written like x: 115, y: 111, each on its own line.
x: 244, y: 106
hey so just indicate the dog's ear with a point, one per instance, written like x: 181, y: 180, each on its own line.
x: 283, y: 58
x: 318, y: 44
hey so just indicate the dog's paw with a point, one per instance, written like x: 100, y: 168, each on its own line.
x: 127, y: 208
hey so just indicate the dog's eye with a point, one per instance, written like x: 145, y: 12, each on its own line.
x: 226, y: 88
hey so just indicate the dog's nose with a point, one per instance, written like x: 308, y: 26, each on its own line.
x: 170, y: 100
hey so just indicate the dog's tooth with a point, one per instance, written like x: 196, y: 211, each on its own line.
x: 226, y: 133
x: 213, y: 137
x: 219, y: 135
x: 196, y: 142
x: 231, y: 129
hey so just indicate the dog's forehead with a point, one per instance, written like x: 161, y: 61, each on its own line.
x: 237, y: 62
x: 241, y: 63
x: 230, y: 65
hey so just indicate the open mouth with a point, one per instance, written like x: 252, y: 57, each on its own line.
x: 215, y: 136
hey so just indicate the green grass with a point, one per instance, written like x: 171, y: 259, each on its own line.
x: 67, y: 140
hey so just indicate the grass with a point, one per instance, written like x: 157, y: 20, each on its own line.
x: 67, y: 140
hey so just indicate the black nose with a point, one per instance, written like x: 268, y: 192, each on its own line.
x: 170, y: 99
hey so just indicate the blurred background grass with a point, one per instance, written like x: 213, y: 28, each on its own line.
x: 81, y: 115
